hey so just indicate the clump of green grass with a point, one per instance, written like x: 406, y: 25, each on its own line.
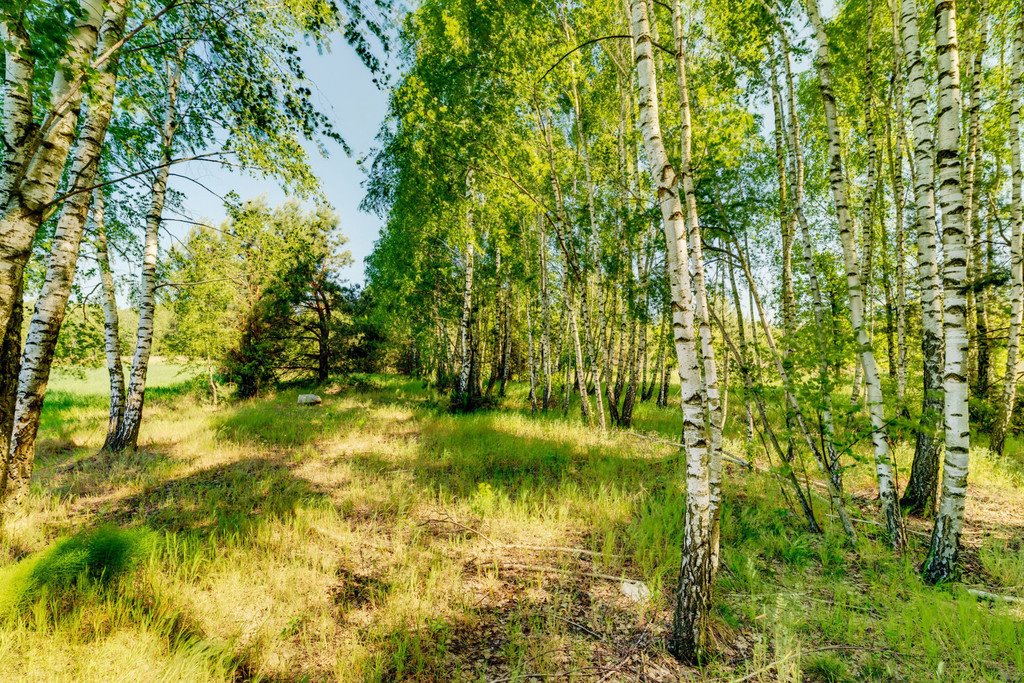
x: 97, y: 556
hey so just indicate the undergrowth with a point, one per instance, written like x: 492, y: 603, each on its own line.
x: 378, y: 537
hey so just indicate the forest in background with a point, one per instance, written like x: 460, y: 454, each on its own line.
x: 779, y: 242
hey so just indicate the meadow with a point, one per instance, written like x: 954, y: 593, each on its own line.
x: 379, y: 538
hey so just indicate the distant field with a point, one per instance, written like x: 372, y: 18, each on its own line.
x: 95, y: 381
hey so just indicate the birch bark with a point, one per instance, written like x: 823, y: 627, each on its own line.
x: 690, y: 637
x: 111, y: 327
x: 127, y: 434
x: 883, y: 469
x: 945, y: 544
x: 920, y: 492
x: 51, y: 303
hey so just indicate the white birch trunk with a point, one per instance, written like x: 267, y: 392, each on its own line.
x: 51, y: 303
x: 886, y: 486
x: 690, y: 628
x: 1013, y: 359
x: 127, y: 435
x: 111, y: 326
x: 700, y: 298
x: 920, y: 490
x: 37, y: 153
x: 945, y: 543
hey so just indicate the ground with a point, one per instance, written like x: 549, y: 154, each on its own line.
x: 379, y: 538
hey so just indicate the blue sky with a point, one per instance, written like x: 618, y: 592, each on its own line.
x: 343, y: 90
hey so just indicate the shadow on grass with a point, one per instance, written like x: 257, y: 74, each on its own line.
x: 460, y: 453
x: 83, y: 471
x: 228, y: 500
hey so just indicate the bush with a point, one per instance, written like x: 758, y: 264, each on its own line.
x: 99, y: 555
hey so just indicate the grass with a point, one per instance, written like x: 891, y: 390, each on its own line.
x: 379, y: 538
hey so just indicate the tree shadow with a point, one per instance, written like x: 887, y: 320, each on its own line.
x: 66, y: 469
x: 226, y: 500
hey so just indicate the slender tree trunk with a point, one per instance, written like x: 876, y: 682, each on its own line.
x: 790, y: 472
x: 920, y: 492
x: 111, y: 328
x: 690, y: 637
x: 835, y: 495
x: 532, y: 358
x: 895, y: 150
x: 1013, y: 359
x: 744, y: 357
x: 695, y: 244
x: 10, y: 366
x: 945, y: 544
x: 127, y: 435
x: 578, y: 350
x: 883, y: 468
x: 545, y: 332
x: 463, y: 388
x: 796, y: 175
x: 972, y: 197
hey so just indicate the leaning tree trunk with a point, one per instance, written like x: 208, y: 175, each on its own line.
x: 127, y: 435
x: 10, y: 364
x: 111, y: 327
x: 36, y: 155
x: 945, y: 543
x: 690, y: 637
x: 920, y: 492
x: 52, y: 301
x: 796, y: 178
x: 1013, y: 360
x: 700, y: 298
x: 883, y: 468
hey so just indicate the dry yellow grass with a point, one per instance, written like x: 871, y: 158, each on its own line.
x: 378, y: 538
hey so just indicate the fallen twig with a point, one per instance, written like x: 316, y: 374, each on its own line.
x: 555, y: 570
x: 520, y: 546
x: 728, y: 457
x: 985, y: 595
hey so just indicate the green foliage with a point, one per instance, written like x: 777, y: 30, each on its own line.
x: 101, y: 555
x: 259, y: 297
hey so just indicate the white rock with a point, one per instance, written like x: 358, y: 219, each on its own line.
x: 637, y: 591
x: 309, y: 400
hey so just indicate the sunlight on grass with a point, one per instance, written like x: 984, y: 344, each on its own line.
x: 379, y: 538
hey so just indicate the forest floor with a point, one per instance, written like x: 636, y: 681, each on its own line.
x: 378, y: 538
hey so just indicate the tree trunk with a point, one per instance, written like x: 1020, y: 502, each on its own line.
x: 111, y: 328
x: 127, y: 435
x: 886, y: 486
x: 835, y: 494
x: 920, y: 492
x: 895, y: 150
x: 690, y: 638
x: 945, y: 543
x: 52, y: 301
x: 463, y: 388
x: 796, y: 174
x: 36, y: 154
x: 10, y: 365
x: 695, y: 244
x: 972, y: 224
x: 1013, y: 360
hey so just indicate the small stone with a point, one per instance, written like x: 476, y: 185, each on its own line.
x: 637, y: 591
x: 309, y: 400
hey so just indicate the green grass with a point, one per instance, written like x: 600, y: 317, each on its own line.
x: 379, y: 538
